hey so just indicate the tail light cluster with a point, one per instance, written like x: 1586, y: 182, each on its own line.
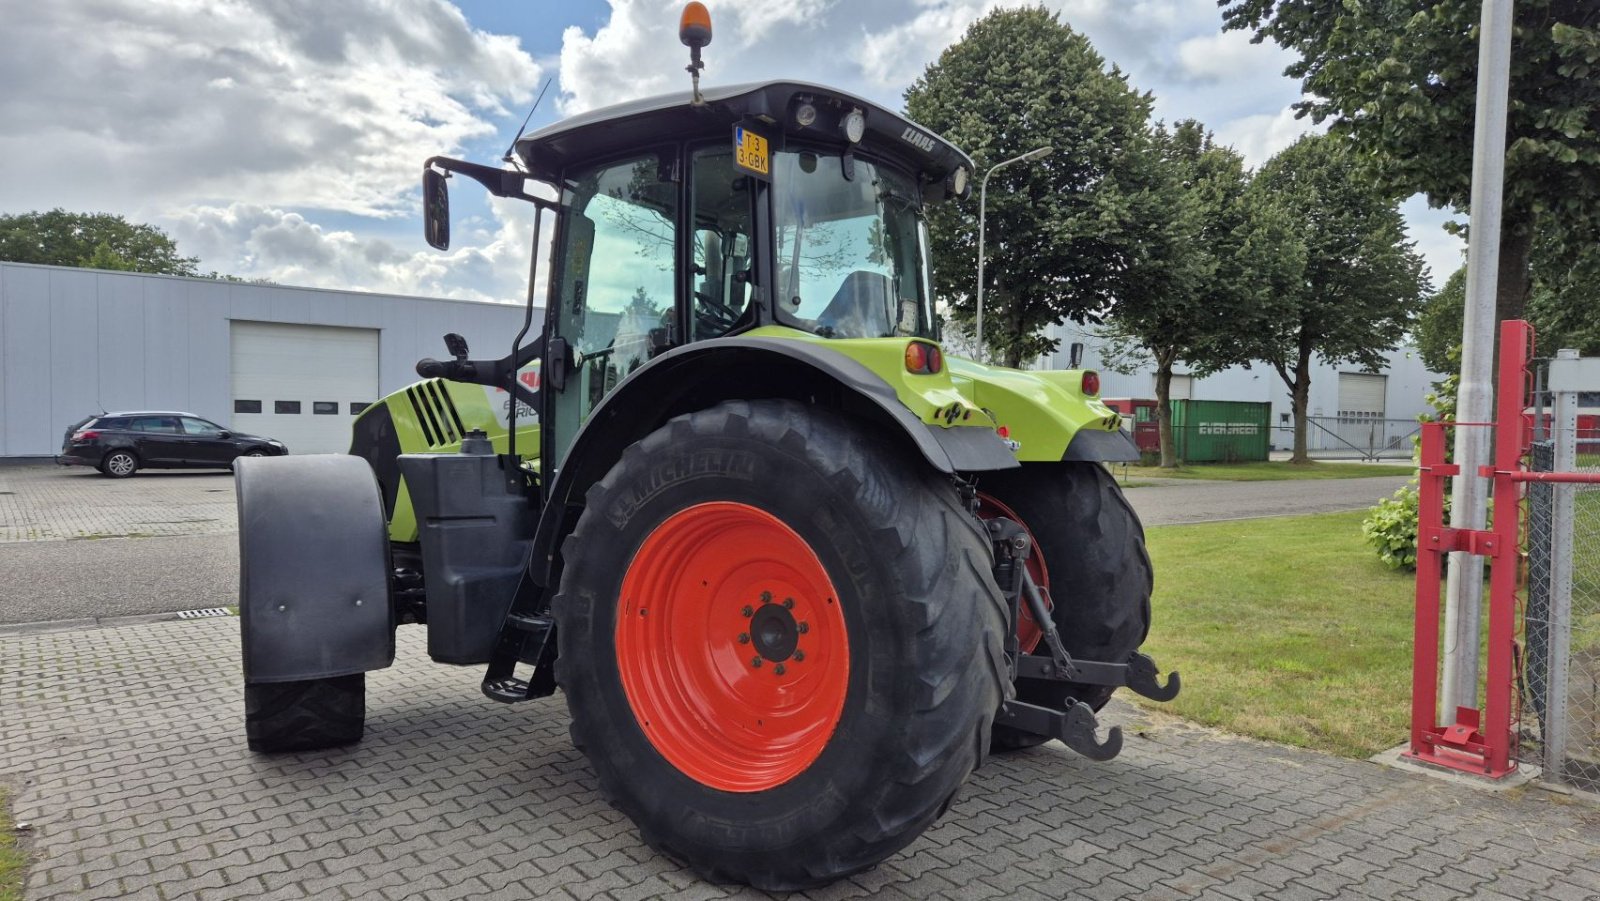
x: 924, y: 359
x: 1090, y: 383
x: 86, y: 436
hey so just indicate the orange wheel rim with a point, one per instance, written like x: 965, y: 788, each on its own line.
x: 731, y: 646
x: 1028, y: 631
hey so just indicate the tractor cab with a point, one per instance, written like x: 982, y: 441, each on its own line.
x: 709, y: 214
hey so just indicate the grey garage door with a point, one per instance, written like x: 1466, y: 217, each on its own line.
x: 302, y: 384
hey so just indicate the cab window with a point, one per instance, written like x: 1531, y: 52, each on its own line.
x: 719, y: 283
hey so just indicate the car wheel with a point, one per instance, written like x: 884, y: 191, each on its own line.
x: 119, y: 464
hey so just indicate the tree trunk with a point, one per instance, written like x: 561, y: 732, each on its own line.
x: 1515, y: 282
x: 1301, y: 393
x: 1169, y: 455
x: 1014, y: 345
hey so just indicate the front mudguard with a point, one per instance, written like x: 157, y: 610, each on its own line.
x: 314, y: 590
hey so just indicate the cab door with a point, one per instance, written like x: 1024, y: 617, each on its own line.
x: 617, y: 293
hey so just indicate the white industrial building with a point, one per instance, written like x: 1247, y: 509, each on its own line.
x: 293, y: 364
x: 1348, y: 399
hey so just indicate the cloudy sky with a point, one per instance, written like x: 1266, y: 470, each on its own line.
x: 283, y: 139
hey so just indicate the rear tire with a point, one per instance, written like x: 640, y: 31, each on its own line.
x: 913, y: 645
x: 305, y: 715
x: 119, y: 464
x: 1093, y: 544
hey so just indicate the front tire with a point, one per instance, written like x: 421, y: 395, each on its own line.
x: 119, y: 464
x: 305, y: 715
x: 1092, y: 542
x: 780, y: 643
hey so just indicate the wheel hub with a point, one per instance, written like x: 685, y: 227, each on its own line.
x: 774, y: 632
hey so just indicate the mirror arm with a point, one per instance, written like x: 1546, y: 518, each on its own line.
x: 499, y: 182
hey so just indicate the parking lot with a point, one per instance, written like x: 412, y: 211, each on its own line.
x: 122, y: 742
x: 125, y: 748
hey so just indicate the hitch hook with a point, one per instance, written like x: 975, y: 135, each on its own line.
x: 1080, y: 735
x: 1143, y: 677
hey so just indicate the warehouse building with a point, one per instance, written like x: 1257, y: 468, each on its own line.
x: 295, y: 364
x: 1352, y: 411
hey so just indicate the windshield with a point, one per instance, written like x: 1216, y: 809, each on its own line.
x: 851, y: 253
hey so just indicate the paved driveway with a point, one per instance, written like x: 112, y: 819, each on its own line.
x: 39, y: 503
x: 190, y: 558
x: 125, y: 749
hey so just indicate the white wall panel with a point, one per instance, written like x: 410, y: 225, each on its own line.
x: 73, y: 338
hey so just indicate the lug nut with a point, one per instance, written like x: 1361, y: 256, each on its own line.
x: 802, y: 628
x: 755, y: 662
x: 744, y: 637
x: 799, y: 655
x: 748, y: 610
x: 766, y: 597
x: 778, y: 669
x: 788, y: 603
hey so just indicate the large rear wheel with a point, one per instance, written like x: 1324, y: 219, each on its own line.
x: 780, y: 642
x: 1090, y: 552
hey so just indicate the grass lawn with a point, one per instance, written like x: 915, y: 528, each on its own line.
x: 10, y: 857
x: 1287, y: 629
x: 1275, y: 470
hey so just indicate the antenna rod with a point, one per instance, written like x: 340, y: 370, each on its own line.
x: 513, y: 146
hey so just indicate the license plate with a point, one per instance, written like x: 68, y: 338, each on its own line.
x: 750, y: 152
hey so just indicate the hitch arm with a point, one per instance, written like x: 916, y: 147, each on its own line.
x: 1139, y: 674
x: 1075, y: 727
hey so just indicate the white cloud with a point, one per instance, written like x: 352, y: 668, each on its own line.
x: 488, y: 260
x: 1258, y: 137
x: 1229, y: 55
x: 637, y: 53
x: 275, y: 102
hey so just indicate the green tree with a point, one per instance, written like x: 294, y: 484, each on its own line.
x: 1064, y: 235
x: 94, y: 240
x: 1564, y: 309
x: 1400, y: 76
x: 1439, y: 327
x: 1226, y: 261
x: 1362, y: 282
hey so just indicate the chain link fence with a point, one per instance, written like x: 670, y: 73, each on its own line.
x: 1561, y: 616
x: 1355, y: 437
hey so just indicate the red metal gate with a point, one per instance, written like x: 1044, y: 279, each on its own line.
x: 1477, y: 740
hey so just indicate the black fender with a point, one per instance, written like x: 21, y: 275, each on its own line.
x: 1095, y: 446
x: 314, y: 592
x: 706, y: 373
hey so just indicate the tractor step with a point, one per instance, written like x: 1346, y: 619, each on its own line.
x: 1075, y: 727
x: 525, y: 638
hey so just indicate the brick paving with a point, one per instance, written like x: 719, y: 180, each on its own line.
x: 40, y: 503
x: 125, y: 749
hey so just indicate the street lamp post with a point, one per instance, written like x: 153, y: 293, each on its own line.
x: 983, y: 197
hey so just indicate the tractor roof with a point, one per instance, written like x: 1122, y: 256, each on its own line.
x: 616, y: 129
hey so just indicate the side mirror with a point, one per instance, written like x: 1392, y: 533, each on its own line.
x: 435, y: 209
x: 456, y: 345
x: 224, y: 434
x: 1075, y: 355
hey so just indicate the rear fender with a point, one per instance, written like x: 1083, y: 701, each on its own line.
x: 314, y: 593
x: 748, y: 367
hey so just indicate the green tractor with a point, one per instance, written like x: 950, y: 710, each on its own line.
x: 797, y: 571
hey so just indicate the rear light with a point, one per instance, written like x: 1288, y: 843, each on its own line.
x: 86, y: 436
x: 1091, y: 383
x: 924, y: 359
x: 1003, y: 432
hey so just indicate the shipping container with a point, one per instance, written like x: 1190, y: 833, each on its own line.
x: 1141, y: 416
x: 1221, y: 431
